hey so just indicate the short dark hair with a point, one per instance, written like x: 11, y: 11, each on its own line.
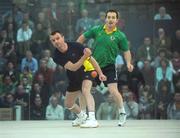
x: 115, y: 11
x: 54, y: 32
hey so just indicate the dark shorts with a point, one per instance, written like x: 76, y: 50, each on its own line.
x: 110, y: 72
x: 75, y: 81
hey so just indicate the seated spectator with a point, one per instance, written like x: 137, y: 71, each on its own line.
x: 30, y: 62
x: 176, y: 66
x: 8, y: 101
x: 163, y: 98
x: 107, y: 110
x: 45, y: 71
x: 176, y: 41
x: 11, y: 71
x: 54, y: 111
x: 50, y: 63
x: 131, y: 106
x: 60, y: 81
x: 146, y: 103
x: 3, y: 62
x: 173, y: 110
x: 38, y: 40
x: 7, y: 85
x: 146, y: 51
x: 162, y: 15
x: 101, y: 18
x: 26, y: 73
x: 164, y: 73
x: 147, y: 69
x: 70, y: 16
x: 37, y: 110
x: 163, y: 41
x: 84, y: 23
x: 22, y: 99
x: 24, y: 35
x: 27, y: 86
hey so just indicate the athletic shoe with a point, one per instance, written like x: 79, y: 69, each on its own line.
x: 79, y: 120
x: 89, y: 123
x: 122, y: 119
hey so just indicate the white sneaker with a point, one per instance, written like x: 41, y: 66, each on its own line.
x: 89, y: 123
x: 78, y: 121
x: 122, y: 119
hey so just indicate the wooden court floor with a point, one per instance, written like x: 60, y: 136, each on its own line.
x: 107, y: 129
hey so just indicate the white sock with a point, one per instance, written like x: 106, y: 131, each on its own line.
x: 92, y: 115
x: 80, y: 114
x: 122, y: 110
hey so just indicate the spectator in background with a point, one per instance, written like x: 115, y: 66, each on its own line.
x: 11, y: 32
x: 22, y: 99
x: 27, y: 86
x: 176, y: 66
x: 3, y: 62
x: 163, y: 41
x: 39, y: 38
x: 146, y: 51
x: 42, y: 19
x: 84, y: 23
x: 50, y: 63
x: 164, y: 73
x: 26, y: 73
x: 70, y: 16
x: 101, y: 18
x: 107, y: 110
x: 173, y: 111
x: 26, y: 18
x: 30, y: 62
x: 45, y: 89
x: 163, y: 99
x: 131, y: 106
x: 24, y: 35
x: 45, y: 71
x: 8, y: 101
x: 176, y: 41
x: 54, y: 111
x: 55, y: 16
x: 147, y: 69
x: 161, y: 54
x: 146, y: 102
x: 162, y: 15
x: 37, y: 110
x: 60, y: 81
x: 7, y: 85
x: 11, y: 71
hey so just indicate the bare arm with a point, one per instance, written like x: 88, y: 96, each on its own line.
x: 81, y: 39
x: 102, y: 77
x: 127, y: 56
x: 96, y: 65
x: 75, y: 66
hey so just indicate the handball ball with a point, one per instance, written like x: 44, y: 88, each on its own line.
x: 94, y: 74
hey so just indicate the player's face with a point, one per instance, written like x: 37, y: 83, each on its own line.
x: 58, y: 42
x: 111, y: 19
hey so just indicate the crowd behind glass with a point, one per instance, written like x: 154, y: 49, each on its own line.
x: 33, y: 86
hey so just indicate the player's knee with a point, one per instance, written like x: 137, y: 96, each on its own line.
x: 69, y: 106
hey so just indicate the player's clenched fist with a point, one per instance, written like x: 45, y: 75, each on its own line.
x: 87, y: 52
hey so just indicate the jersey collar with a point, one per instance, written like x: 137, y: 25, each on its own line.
x: 109, y: 32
